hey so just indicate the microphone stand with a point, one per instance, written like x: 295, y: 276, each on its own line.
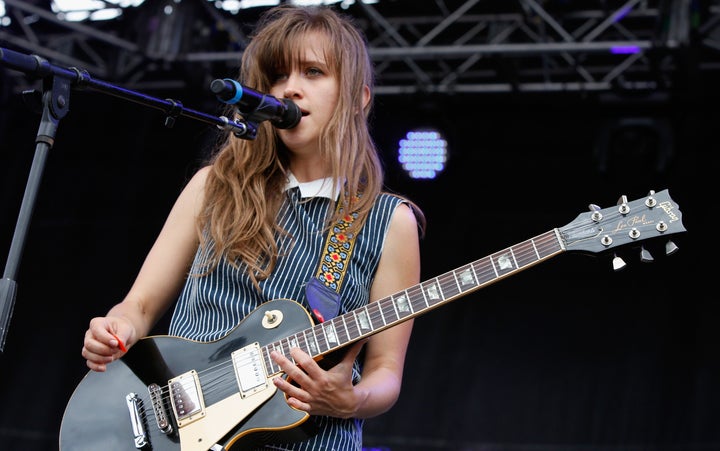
x: 57, y: 84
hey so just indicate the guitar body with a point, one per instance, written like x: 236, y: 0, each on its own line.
x: 97, y: 416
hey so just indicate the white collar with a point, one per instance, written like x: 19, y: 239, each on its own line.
x: 314, y: 188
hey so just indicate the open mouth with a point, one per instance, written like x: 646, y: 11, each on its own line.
x: 304, y: 113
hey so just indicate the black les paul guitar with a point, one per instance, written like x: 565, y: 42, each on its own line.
x: 168, y: 393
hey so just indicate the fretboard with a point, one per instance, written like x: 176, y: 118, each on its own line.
x: 337, y: 332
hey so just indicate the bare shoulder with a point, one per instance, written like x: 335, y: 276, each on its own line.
x: 199, y: 178
x: 193, y: 194
x: 404, y: 220
x: 403, y: 233
x: 399, y: 265
x: 196, y: 184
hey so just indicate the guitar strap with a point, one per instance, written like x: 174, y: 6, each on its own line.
x: 323, y: 290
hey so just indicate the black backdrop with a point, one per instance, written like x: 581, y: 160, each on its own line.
x: 567, y: 355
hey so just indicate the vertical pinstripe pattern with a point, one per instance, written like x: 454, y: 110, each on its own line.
x: 211, y: 306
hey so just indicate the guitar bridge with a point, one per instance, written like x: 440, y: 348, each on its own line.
x: 135, y: 407
x: 161, y: 417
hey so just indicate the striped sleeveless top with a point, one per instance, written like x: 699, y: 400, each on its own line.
x: 209, y: 307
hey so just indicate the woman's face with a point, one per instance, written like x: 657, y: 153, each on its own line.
x: 314, y: 89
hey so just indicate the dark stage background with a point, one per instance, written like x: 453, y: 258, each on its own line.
x: 567, y: 355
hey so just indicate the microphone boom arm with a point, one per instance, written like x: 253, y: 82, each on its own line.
x: 57, y: 84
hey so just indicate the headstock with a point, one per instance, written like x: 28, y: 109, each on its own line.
x: 626, y: 224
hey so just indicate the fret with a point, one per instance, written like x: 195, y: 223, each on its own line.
x: 512, y: 255
x: 489, y: 273
x: 457, y: 282
x: 299, y: 342
x: 344, y: 331
x: 312, y: 344
x: 395, y: 307
x: 447, y: 285
x: 285, y: 349
x: 273, y: 364
x: 382, y: 314
x: 363, y: 318
x: 273, y: 346
x: 553, y: 245
x: 321, y: 338
x: 403, y: 305
x: 330, y: 333
x: 269, y: 363
x: 376, y: 321
x: 485, y: 262
x: 293, y: 341
x: 537, y: 254
x: 434, y: 292
x: 354, y: 324
x: 423, y: 298
x: 525, y: 256
x: 317, y: 343
x: 416, y: 298
x: 494, y: 267
x: 387, y: 306
x: 465, y: 278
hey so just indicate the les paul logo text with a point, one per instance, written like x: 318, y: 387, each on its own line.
x: 633, y: 221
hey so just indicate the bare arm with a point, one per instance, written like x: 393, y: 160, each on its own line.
x: 157, y: 285
x: 399, y: 268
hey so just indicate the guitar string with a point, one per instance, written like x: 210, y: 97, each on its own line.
x: 532, y: 251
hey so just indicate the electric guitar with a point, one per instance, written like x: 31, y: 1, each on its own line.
x: 169, y: 393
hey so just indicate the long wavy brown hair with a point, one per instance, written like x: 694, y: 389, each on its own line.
x: 244, y: 189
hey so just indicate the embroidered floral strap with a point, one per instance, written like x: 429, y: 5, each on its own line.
x: 336, y: 254
x: 323, y: 291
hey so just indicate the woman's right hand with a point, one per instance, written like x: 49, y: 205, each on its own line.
x: 106, y: 340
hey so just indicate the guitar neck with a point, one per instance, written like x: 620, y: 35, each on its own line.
x: 414, y: 301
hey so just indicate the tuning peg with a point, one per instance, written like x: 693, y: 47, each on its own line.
x: 623, y: 206
x: 618, y: 263
x: 596, y: 215
x: 645, y: 255
x: 670, y: 248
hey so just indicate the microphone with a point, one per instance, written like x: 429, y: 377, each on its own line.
x: 256, y: 106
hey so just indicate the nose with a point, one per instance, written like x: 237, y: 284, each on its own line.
x: 292, y: 88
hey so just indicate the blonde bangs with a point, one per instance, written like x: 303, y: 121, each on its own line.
x: 282, y: 47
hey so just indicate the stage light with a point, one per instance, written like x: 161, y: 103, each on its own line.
x: 99, y: 10
x: 423, y: 153
x: 4, y: 19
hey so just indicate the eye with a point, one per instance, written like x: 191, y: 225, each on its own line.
x: 313, y: 71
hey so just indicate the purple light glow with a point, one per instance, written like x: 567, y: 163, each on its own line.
x: 624, y: 49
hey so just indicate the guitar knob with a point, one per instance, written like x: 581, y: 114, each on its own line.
x: 618, y: 263
x: 645, y: 255
x: 670, y: 248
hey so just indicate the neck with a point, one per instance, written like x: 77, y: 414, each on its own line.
x: 309, y: 169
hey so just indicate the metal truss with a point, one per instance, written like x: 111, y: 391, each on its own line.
x: 418, y: 46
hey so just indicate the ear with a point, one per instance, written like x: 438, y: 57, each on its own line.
x: 366, y: 96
